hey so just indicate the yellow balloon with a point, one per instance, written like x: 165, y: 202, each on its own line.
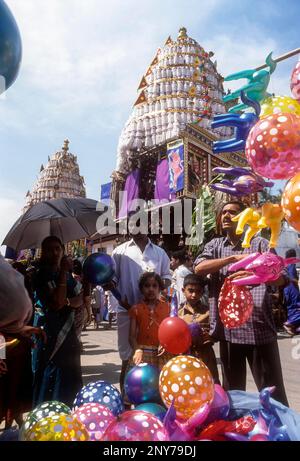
x: 271, y: 216
x: 278, y: 105
x: 186, y: 381
x: 250, y: 217
x: 57, y: 428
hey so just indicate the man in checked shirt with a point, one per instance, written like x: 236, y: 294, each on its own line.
x: 256, y: 340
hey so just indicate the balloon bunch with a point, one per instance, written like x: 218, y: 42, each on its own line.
x: 271, y: 138
x: 196, y: 409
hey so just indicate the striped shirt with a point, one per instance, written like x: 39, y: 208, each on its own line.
x: 260, y: 328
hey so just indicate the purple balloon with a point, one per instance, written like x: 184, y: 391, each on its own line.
x: 220, y: 406
x: 99, y: 268
x: 236, y: 437
x: 196, y: 333
x: 141, y: 384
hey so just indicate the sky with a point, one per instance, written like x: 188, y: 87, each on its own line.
x: 82, y: 64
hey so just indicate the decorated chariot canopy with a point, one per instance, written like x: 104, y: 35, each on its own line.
x: 181, y: 86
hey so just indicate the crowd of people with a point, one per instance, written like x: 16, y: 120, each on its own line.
x: 48, y: 305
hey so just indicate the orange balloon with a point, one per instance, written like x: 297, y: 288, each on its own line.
x: 186, y: 381
x: 290, y: 202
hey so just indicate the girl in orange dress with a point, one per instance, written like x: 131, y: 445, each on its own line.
x: 145, y: 319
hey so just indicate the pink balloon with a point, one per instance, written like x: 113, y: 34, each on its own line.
x: 259, y: 438
x: 265, y: 267
x: 273, y: 146
x: 185, y: 430
x: 95, y: 417
x: 220, y: 406
x: 136, y: 426
x: 295, y: 82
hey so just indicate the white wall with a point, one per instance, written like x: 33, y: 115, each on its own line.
x: 288, y: 239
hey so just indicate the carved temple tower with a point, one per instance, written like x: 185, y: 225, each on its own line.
x: 59, y: 178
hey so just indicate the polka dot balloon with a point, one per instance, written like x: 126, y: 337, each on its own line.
x: 42, y: 411
x: 187, y: 381
x: 57, y: 428
x: 100, y: 392
x: 295, y: 82
x: 136, y: 426
x: 279, y: 105
x: 235, y: 304
x: 291, y: 202
x: 273, y: 146
x: 95, y: 418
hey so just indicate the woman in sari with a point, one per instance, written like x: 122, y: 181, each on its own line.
x: 57, y: 370
x: 15, y: 342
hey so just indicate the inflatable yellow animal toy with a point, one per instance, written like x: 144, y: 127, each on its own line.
x: 250, y: 217
x: 271, y: 216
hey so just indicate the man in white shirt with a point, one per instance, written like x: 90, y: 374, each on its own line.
x: 132, y: 259
x: 179, y: 262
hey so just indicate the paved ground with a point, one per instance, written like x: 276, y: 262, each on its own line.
x: 100, y: 360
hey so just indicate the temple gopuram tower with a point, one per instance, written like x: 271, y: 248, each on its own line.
x: 59, y: 178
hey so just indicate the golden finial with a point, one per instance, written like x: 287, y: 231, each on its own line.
x: 182, y: 33
x: 66, y: 145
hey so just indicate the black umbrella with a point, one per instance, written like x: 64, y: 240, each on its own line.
x: 66, y: 218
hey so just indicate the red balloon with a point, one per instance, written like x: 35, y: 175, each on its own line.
x: 174, y: 335
x: 235, y: 304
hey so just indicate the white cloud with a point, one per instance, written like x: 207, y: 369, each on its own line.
x: 83, y: 56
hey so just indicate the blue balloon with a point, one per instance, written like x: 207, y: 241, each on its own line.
x: 100, y: 392
x: 256, y: 87
x: 10, y: 47
x: 99, y: 268
x: 174, y: 306
x: 242, y: 123
x: 141, y: 384
x: 157, y: 410
x: 9, y: 435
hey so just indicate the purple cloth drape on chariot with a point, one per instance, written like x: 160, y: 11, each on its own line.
x: 131, y: 192
x: 162, y: 186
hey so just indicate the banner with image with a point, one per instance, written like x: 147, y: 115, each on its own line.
x: 175, y: 154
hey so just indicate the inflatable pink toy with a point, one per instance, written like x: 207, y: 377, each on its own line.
x: 185, y: 431
x: 266, y: 267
